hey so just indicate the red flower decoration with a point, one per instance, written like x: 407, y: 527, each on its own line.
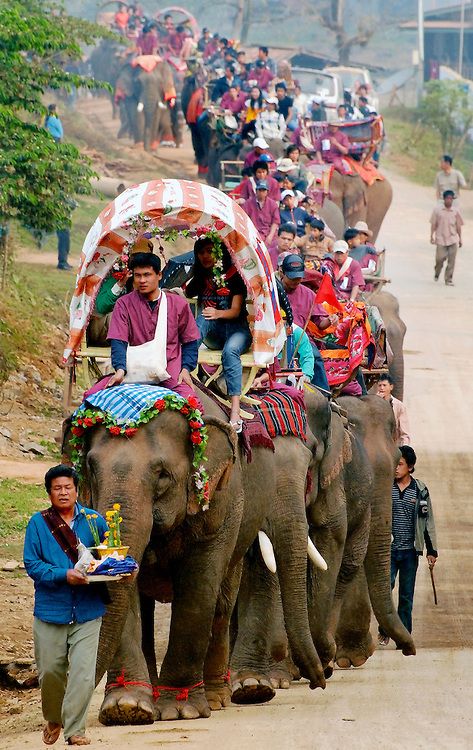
x: 219, y: 224
x: 195, y: 425
x: 79, y: 421
x: 115, y: 430
x: 196, y: 438
x: 184, y: 410
x: 98, y: 419
x: 78, y: 431
x: 160, y: 404
x: 193, y: 402
x: 223, y: 291
x: 88, y: 422
x: 202, y: 230
x: 130, y: 431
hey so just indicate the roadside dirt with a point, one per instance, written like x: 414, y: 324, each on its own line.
x: 393, y: 702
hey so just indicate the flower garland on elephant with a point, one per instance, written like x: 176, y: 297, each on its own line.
x: 85, y: 419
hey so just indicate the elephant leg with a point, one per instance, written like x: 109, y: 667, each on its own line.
x: 196, y: 579
x: 354, y: 642
x: 282, y: 670
x: 147, y: 607
x: 330, y: 541
x: 216, y: 668
x: 251, y: 658
x: 176, y: 125
x: 128, y: 695
x: 164, y: 129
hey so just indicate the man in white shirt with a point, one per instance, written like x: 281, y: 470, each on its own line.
x: 448, y: 178
x: 385, y: 390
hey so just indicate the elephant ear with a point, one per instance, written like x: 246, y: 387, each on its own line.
x: 221, y: 452
x: 66, y: 441
x: 337, y: 453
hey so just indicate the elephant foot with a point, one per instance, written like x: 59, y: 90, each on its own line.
x: 182, y: 704
x: 251, y: 687
x: 283, y: 673
x: 355, y: 654
x: 218, y: 694
x: 127, y: 705
x: 328, y: 670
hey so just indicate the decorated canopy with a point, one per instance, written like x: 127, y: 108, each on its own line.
x: 190, y: 208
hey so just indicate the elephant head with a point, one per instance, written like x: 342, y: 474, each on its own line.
x: 151, y: 476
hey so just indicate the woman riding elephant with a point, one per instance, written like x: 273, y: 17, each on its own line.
x: 194, y: 556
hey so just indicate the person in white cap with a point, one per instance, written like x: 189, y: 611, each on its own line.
x: 270, y: 123
x: 346, y: 272
x: 260, y: 147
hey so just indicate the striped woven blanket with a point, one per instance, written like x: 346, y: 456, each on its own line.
x: 281, y: 414
x: 126, y: 402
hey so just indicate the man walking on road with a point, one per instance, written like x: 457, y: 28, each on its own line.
x: 448, y: 178
x: 413, y: 527
x: 446, y: 223
x: 385, y: 391
x: 67, y: 611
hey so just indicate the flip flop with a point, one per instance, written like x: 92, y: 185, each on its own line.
x: 78, y: 739
x: 50, y: 736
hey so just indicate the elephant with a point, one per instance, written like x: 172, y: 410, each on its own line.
x: 194, y: 557
x: 359, y: 201
x: 106, y: 61
x: 331, y: 214
x: 388, y: 306
x: 349, y: 514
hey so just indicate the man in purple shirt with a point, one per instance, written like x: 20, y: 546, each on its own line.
x: 332, y: 146
x: 264, y: 213
x: 261, y: 174
x: 233, y: 100
x: 305, y: 308
x: 260, y: 147
x: 346, y: 273
x: 134, y: 321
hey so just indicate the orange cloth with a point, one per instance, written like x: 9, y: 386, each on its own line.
x: 367, y: 172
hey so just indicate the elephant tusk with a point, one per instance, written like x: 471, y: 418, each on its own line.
x: 267, y: 551
x: 140, y: 107
x: 315, y: 555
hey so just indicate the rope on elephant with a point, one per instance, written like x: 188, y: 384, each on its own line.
x: 121, y: 682
x: 182, y: 692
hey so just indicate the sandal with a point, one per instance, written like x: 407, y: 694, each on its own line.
x: 78, y: 739
x: 237, y: 426
x: 50, y: 736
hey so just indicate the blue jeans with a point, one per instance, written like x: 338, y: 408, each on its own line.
x: 405, y: 562
x: 234, y: 338
x: 63, y: 246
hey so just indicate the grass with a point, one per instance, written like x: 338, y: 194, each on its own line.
x: 415, y: 150
x: 18, y: 502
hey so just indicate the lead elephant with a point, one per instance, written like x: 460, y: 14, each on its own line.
x: 333, y: 217
x: 194, y: 558
x: 360, y: 202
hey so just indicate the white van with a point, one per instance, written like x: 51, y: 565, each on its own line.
x: 328, y: 86
x: 352, y: 77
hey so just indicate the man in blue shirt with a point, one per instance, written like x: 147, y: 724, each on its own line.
x: 291, y: 213
x: 67, y: 610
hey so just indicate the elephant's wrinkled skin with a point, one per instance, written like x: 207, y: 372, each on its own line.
x: 395, y: 332
x: 349, y: 516
x: 360, y: 202
x: 194, y: 557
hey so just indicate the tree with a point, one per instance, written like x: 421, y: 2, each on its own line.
x: 333, y: 18
x: 38, y: 176
x: 446, y: 108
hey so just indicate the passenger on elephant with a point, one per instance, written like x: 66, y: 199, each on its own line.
x: 263, y: 56
x: 286, y: 241
x: 242, y: 68
x: 332, y: 146
x: 291, y: 212
x: 264, y: 213
x: 140, y: 316
x: 314, y: 245
x: 222, y: 318
x: 176, y: 41
x: 366, y: 255
x: 260, y: 76
x: 233, y: 100
x: 317, y: 111
x: 298, y: 170
x: 270, y: 124
x: 254, y: 106
x: 222, y: 85
x: 148, y: 42
x: 285, y: 102
x: 413, y: 528
x: 304, y: 355
x: 204, y: 39
x: 260, y: 148
x: 305, y: 309
x: 121, y: 19
x: 345, y: 272
x: 260, y: 174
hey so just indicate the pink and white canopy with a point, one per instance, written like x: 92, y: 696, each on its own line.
x: 180, y: 204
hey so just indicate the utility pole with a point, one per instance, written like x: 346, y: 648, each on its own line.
x: 420, y: 37
x: 462, y: 38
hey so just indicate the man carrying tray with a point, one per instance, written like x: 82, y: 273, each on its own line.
x: 153, y: 335
x: 67, y: 612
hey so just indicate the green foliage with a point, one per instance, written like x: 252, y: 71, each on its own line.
x: 446, y: 108
x: 18, y: 502
x: 38, y: 176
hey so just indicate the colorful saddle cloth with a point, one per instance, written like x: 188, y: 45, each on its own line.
x: 282, y: 414
x: 125, y: 403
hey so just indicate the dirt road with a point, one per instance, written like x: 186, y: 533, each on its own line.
x: 393, y: 702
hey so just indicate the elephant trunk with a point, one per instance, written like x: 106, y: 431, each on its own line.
x: 290, y: 541
x: 135, y: 532
x: 378, y: 574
